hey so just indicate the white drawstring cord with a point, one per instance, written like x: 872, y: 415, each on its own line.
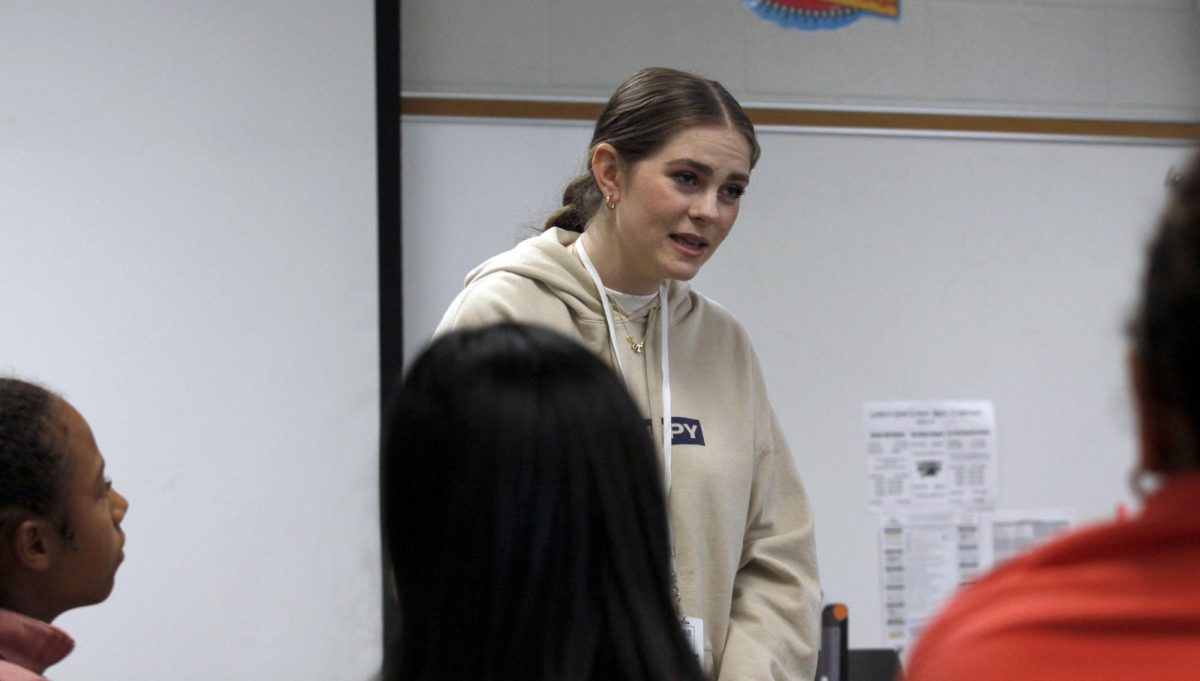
x: 664, y: 352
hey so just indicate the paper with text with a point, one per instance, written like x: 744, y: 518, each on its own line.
x: 934, y: 455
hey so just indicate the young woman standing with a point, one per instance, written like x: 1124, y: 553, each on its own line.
x: 670, y: 159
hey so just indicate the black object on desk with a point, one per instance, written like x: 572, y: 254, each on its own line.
x: 832, y: 660
x: 874, y: 664
x: 836, y: 661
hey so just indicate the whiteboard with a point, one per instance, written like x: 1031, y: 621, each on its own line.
x: 869, y: 267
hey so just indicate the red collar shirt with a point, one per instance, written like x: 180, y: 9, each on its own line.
x: 29, y: 646
x: 1118, y: 601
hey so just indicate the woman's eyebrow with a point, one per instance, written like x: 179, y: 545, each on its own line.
x: 707, y: 169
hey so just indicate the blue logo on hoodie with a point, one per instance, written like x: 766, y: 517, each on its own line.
x: 685, y: 431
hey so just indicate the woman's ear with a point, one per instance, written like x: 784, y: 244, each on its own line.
x: 606, y: 169
x: 31, y: 540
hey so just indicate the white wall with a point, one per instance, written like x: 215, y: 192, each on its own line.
x: 895, y: 267
x: 188, y: 252
x: 870, y: 267
x: 1133, y: 59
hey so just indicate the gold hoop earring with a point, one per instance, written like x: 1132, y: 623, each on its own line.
x: 608, y: 201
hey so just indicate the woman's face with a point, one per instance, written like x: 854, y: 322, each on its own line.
x: 676, y: 206
x: 88, y: 562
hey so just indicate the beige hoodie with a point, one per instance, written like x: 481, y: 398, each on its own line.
x: 743, y: 530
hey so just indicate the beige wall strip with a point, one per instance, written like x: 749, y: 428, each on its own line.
x: 533, y: 109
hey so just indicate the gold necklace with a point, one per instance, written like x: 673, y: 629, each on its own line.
x: 635, y: 345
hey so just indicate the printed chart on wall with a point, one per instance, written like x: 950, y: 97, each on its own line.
x: 933, y: 484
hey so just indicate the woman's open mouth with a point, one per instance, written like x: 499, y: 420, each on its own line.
x: 690, y: 244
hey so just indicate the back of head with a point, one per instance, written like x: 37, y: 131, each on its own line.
x: 1166, y: 328
x: 33, y: 469
x: 525, y: 517
x: 641, y: 116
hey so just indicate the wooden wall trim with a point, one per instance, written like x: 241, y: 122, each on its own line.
x: 812, y: 118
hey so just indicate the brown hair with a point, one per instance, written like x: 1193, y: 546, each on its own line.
x: 643, y: 113
x: 1166, y: 327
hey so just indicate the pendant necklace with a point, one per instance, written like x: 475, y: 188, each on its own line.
x: 636, y: 346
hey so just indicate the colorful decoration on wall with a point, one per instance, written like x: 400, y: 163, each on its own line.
x: 812, y: 15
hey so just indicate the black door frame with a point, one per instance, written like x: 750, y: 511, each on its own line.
x: 391, y: 287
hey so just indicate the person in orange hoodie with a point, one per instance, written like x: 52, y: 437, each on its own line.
x: 60, y: 526
x: 1119, y: 600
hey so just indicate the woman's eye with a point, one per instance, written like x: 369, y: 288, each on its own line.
x: 687, y: 177
x: 735, y: 192
x: 107, y: 483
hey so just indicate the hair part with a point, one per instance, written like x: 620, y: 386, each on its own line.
x: 525, y: 518
x: 1165, y: 330
x: 641, y: 116
x: 34, y: 468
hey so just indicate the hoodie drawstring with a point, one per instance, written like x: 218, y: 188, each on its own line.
x: 664, y: 352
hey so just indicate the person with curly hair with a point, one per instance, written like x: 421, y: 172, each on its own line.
x: 61, y: 540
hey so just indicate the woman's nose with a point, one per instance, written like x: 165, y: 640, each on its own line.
x: 119, y: 506
x: 705, y: 207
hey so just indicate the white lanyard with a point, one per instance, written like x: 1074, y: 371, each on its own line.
x: 664, y: 352
x: 693, y: 626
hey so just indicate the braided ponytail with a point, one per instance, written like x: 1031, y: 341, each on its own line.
x: 580, y: 200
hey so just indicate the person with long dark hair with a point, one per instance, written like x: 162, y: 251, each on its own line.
x: 525, y: 519
x: 1120, y: 600
x: 669, y: 161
